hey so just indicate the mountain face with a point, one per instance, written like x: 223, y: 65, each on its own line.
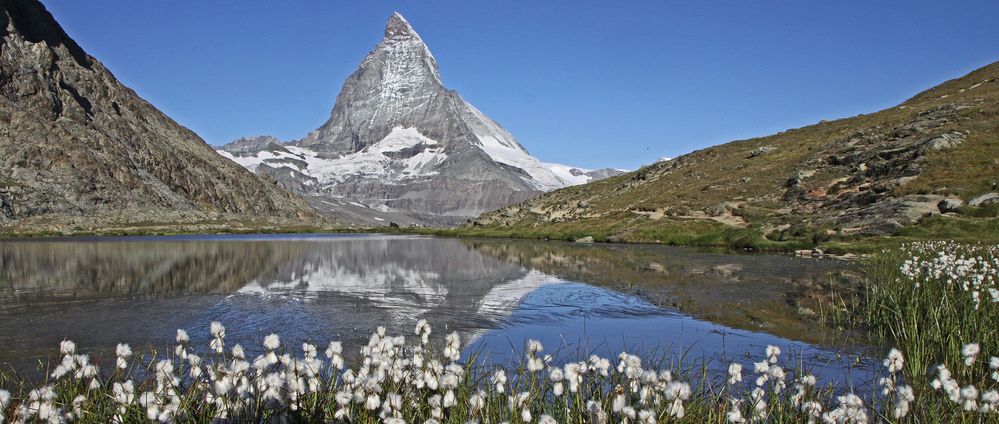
x: 925, y: 168
x: 80, y: 150
x: 399, y: 141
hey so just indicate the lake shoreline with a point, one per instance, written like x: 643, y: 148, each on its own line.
x: 840, y: 251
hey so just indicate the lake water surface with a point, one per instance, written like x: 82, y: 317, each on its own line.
x: 575, y: 299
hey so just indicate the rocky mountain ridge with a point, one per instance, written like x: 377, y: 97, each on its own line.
x: 79, y: 150
x: 908, y: 170
x: 399, y: 142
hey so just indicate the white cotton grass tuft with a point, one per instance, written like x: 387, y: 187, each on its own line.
x: 499, y: 380
x: 4, y: 402
x: 272, y: 342
x: 238, y: 352
x: 534, y: 362
x: 122, y: 353
x: 334, y: 352
x: 734, y: 373
x: 894, y: 362
x: 423, y: 330
x: 67, y: 347
x: 970, y: 352
x: 452, y: 347
x: 734, y: 413
x: 217, y: 344
x: 217, y: 329
x: 772, y: 353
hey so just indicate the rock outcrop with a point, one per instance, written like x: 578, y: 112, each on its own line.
x: 80, y: 150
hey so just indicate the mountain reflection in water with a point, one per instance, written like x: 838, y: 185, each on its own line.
x: 139, y: 290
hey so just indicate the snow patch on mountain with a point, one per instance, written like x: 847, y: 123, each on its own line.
x: 406, y: 154
x: 541, y: 176
x: 402, y: 155
x: 570, y: 174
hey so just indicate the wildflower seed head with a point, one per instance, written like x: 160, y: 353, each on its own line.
x: 67, y: 347
x: 970, y: 352
x: 123, y: 350
x: 808, y: 380
x: 452, y: 347
x: 734, y: 373
x: 217, y: 329
x: 534, y: 346
x: 272, y: 342
x: 772, y: 353
x: 894, y: 362
x: 238, y: 352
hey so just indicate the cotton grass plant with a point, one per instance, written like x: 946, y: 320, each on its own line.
x: 933, y: 299
x: 400, y: 380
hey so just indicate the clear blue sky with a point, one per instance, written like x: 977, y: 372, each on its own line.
x: 584, y: 83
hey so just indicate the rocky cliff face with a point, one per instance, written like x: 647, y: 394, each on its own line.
x: 80, y: 150
x: 399, y: 141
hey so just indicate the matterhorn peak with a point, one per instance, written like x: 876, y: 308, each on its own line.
x: 398, y: 141
x: 400, y: 36
x: 398, y: 27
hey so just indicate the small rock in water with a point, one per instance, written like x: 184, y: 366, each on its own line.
x: 845, y: 257
x: 725, y: 271
x: 809, y: 253
x: 653, y: 267
x: 587, y: 239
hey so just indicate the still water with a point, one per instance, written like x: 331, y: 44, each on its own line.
x: 575, y: 299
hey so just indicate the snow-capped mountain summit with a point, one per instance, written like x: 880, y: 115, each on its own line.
x: 399, y: 141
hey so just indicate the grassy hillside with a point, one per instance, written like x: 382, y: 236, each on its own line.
x: 864, y: 180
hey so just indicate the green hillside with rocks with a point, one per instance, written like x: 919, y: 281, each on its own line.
x: 927, y: 168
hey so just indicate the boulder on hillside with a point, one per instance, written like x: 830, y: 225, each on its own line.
x: 985, y: 199
x: 759, y: 151
x: 950, y: 205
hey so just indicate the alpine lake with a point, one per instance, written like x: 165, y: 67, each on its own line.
x: 685, y: 306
